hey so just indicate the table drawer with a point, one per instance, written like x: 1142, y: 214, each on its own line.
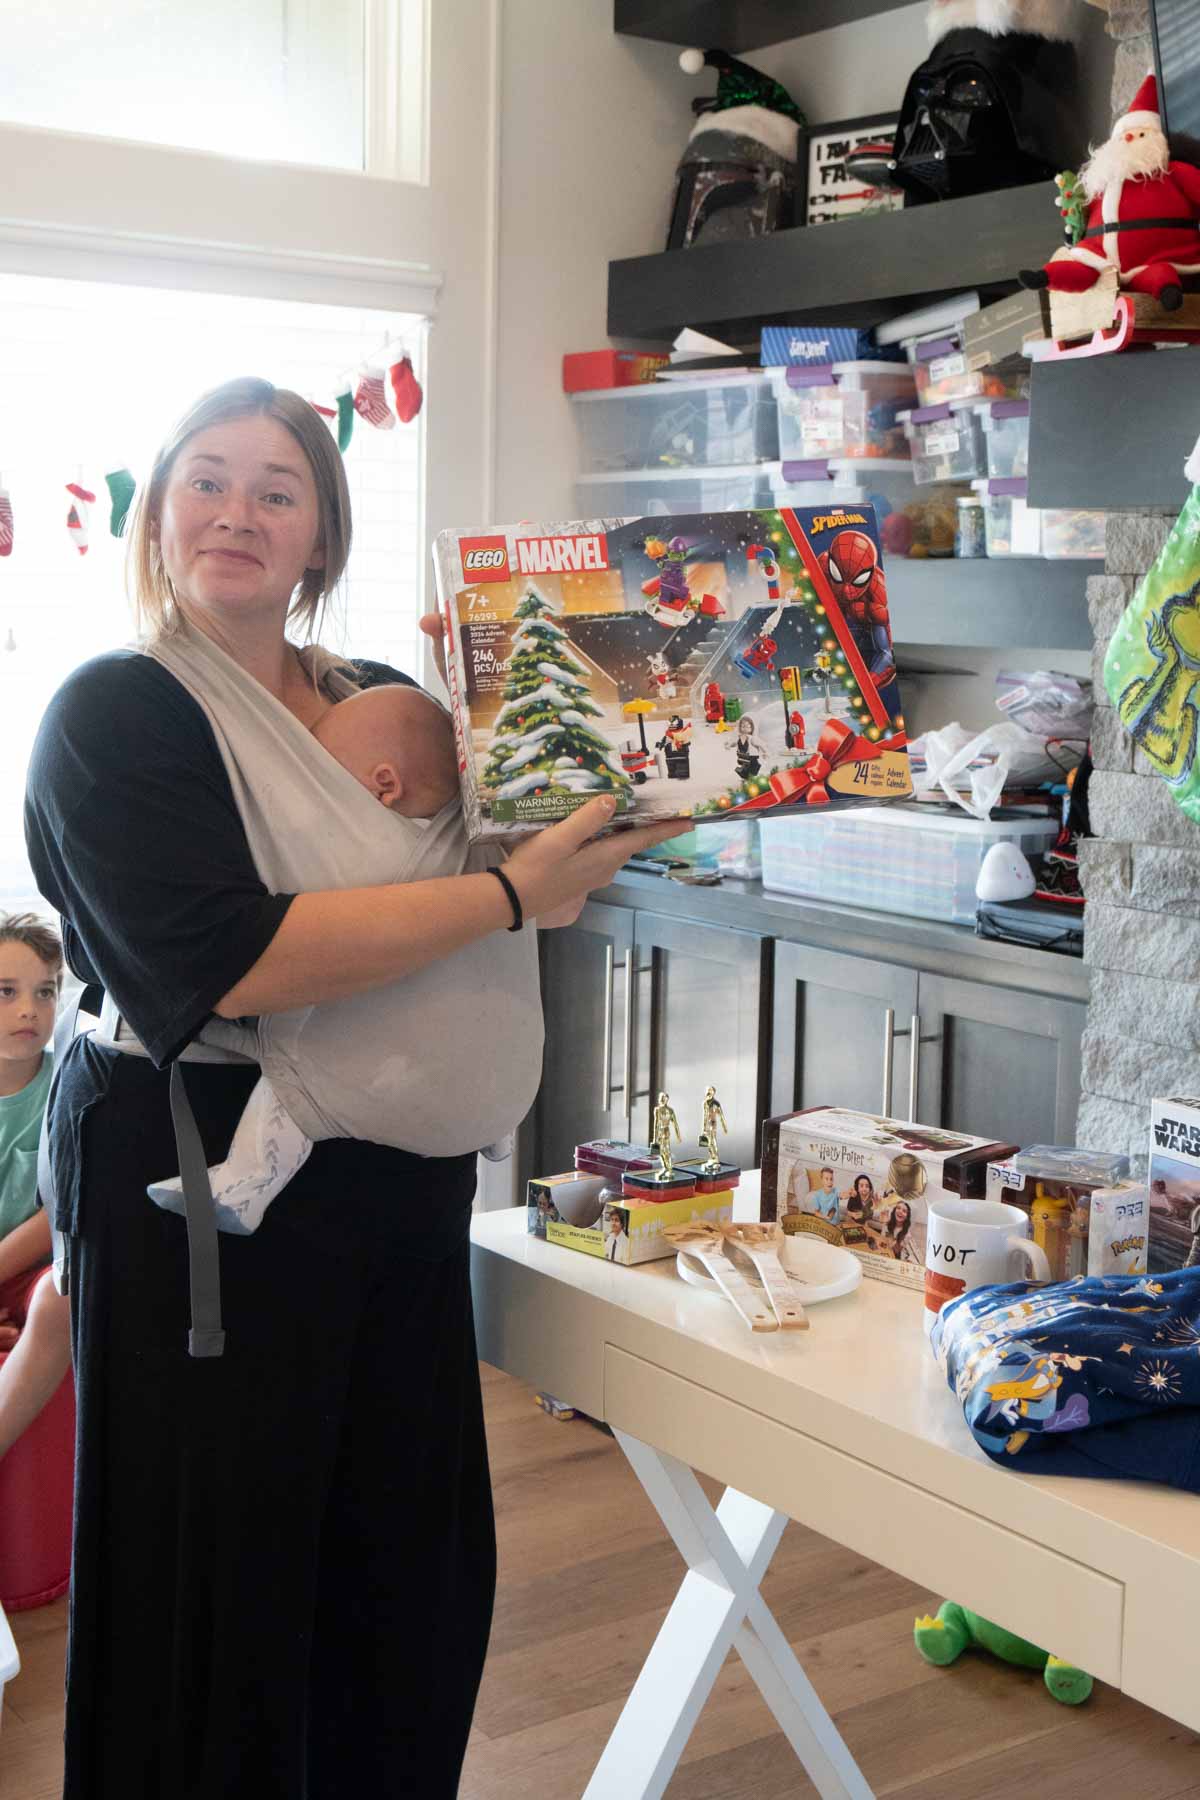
x: 1073, y: 1610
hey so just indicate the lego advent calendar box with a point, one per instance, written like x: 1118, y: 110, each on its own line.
x: 698, y: 668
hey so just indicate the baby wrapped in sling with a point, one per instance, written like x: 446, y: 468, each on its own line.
x: 440, y: 1062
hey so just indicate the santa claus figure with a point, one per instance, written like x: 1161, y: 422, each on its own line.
x: 1142, y: 214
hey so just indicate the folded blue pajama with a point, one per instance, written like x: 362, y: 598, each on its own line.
x: 1099, y: 1376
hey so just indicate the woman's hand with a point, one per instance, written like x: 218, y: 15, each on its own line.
x: 434, y: 627
x: 555, y: 871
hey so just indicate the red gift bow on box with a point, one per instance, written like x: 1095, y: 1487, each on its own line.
x: 836, y: 746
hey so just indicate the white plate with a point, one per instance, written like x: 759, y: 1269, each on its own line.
x: 820, y: 1271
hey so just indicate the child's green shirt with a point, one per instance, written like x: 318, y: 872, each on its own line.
x: 20, y: 1129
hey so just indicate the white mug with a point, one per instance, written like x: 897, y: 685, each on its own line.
x: 976, y: 1243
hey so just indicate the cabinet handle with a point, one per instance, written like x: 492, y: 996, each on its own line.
x: 914, y: 1066
x: 628, y: 1050
x: 889, y: 1057
x: 606, y: 1064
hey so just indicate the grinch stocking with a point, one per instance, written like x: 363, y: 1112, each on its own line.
x: 77, y: 515
x: 370, y: 400
x: 406, y: 388
x: 1152, y: 669
x: 6, y: 523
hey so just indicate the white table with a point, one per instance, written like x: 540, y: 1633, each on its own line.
x: 841, y: 1427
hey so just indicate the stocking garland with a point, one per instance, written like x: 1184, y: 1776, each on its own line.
x: 77, y: 516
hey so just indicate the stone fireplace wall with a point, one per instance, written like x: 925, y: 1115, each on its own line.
x: 1141, y: 872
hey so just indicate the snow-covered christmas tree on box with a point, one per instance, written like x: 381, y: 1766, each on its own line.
x: 697, y: 668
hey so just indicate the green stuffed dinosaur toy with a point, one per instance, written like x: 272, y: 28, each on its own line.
x: 942, y: 1641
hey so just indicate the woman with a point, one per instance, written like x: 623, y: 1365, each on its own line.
x: 893, y: 1240
x: 860, y: 1200
x: 284, y: 1554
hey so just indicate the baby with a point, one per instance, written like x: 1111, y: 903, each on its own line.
x: 399, y: 744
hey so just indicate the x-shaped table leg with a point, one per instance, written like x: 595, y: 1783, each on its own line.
x: 727, y: 1553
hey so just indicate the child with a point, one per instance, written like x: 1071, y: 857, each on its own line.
x: 33, y: 1315
x: 398, y: 743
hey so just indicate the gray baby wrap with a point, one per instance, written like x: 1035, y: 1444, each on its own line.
x: 440, y: 1062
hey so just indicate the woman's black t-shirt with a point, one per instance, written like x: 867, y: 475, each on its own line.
x: 135, y: 839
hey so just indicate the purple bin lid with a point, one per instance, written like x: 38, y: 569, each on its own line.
x: 929, y: 415
x: 937, y: 347
x: 1010, y: 409
x: 1012, y: 486
x: 805, y: 471
x: 815, y: 375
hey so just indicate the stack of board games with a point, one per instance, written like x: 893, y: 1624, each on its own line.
x: 714, y: 666
x: 865, y: 1182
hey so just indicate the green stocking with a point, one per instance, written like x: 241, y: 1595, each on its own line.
x: 121, y: 488
x: 345, y: 424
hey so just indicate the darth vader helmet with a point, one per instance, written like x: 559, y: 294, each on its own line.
x: 986, y: 111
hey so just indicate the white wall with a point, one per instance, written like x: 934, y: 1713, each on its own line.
x: 591, y: 127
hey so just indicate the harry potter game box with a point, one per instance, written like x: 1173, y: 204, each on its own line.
x: 706, y: 667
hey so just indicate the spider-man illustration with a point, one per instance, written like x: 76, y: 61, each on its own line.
x: 851, y: 566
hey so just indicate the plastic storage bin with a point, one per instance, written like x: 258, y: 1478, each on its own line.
x: 677, y: 424
x: 916, y: 522
x: 1006, y: 438
x: 1070, y: 532
x: 1011, y: 526
x: 940, y: 371
x: 947, y: 442
x: 893, y: 858
x: 646, y: 493
x: 844, y: 409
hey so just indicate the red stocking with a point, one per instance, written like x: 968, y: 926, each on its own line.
x: 407, y: 390
x: 370, y: 400
x: 6, y: 523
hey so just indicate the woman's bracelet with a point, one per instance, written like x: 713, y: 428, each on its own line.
x: 514, y: 899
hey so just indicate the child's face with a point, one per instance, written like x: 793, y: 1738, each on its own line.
x: 398, y: 743
x: 28, y: 1001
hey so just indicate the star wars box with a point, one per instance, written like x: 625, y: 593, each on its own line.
x: 865, y: 1182
x: 700, y: 668
x: 1174, y: 1185
x: 602, y: 1223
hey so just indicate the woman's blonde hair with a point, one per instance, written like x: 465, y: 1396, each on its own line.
x: 155, y: 603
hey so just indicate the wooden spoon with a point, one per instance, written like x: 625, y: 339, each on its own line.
x: 761, y: 1244
x: 705, y: 1243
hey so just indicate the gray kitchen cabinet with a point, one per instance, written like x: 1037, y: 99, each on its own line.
x: 841, y: 1031
x: 701, y: 1018
x: 993, y: 1061
x: 588, y: 971
x: 998, y: 1063
x: 697, y: 1016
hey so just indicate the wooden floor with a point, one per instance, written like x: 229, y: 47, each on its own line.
x: 586, y: 1573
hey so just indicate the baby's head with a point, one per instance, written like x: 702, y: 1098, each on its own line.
x: 398, y: 743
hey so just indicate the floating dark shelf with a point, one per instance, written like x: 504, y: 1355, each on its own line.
x: 864, y: 271
x: 1025, y: 602
x: 1113, y: 432
x: 738, y: 25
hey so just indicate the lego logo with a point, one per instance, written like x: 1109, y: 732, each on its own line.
x: 485, y: 558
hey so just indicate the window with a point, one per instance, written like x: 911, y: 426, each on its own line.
x: 334, y: 83
x: 92, y: 376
